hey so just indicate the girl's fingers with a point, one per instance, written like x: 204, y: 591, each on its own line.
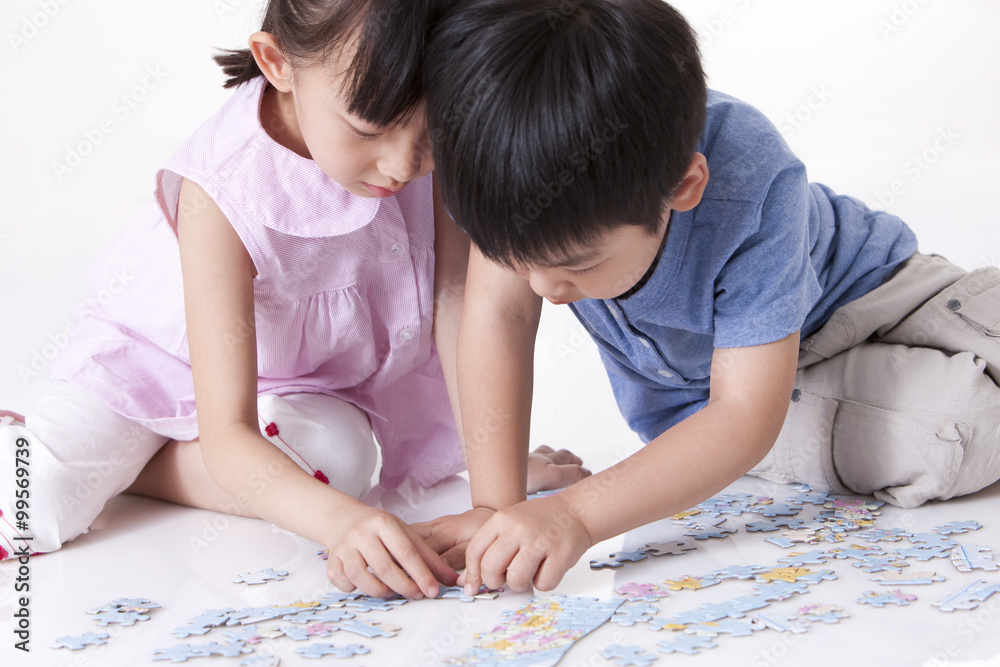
x: 356, y: 569
x: 472, y: 578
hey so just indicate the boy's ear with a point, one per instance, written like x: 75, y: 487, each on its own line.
x: 693, y: 186
x: 271, y: 60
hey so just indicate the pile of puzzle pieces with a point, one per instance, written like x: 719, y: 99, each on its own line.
x: 823, y: 540
x: 538, y: 634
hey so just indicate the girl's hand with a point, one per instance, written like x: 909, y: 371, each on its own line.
x: 374, y: 551
x: 535, y: 541
x: 450, y: 535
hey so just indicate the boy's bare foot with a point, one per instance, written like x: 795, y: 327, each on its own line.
x: 550, y: 469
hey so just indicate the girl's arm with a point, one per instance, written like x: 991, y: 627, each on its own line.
x: 451, y: 263
x: 218, y: 294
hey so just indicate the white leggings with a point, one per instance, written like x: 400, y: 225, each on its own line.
x: 78, y: 454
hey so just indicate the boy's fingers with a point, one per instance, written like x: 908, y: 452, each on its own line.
x: 496, y: 561
x: 522, y: 569
x: 397, y: 547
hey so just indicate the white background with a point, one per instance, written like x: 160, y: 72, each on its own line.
x: 863, y: 89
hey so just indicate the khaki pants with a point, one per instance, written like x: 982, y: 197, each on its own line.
x: 897, y: 395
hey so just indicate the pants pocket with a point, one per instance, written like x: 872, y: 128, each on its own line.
x: 902, y: 458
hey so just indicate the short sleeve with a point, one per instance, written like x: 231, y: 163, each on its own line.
x: 766, y: 289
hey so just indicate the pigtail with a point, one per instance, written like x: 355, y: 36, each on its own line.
x: 238, y: 65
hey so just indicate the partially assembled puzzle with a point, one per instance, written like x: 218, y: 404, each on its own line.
x: 840, y: 531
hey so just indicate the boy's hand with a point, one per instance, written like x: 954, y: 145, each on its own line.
x: 550, y: 469
x: 535, y: 541
x: 398, y: 559
x: 450, y: 535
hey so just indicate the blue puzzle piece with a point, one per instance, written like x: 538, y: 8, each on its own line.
x: 323, y: 650
x: 203, y: 623
x: 180, y: 653
x: 880, y: 564
x: 716, y: 533
x: 873, y: 535
x: 783, y: 542
x: 735, y: 608
x: 814, y: 557
x: 226, y: 649
x: 896, y: 597
x: 780, y: 590
x: 809, y: 498
x: 128, y: 618
x: 367, y: 604
x: 367, y: 630
x: 924, y: 553
x: 618, y: 559
x: 738, y: 571
x: 957, y: 527
x: 781, y: 623
x: 686, y: 644
x: 254, y: 578
x: 260, y: 661
x: 631, y: 613
x: 779, y: 509
x: 815, y: 577
x: 726, y: 626
x: 628, y: 656
x: 826, y: 613
x: 81, y: 641
x: 932, y: 541
x: 322, y: 616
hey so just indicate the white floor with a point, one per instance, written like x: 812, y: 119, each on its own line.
x: 894, y: 102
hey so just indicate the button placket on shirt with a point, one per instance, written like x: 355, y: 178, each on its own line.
x: 649, y: 357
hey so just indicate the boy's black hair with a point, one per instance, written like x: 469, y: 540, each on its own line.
x: 555, y: 121
x: 384, y: 84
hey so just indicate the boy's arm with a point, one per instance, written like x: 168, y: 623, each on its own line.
x: 218, y: 295
x: 539, y: 540
x: 496, y: 346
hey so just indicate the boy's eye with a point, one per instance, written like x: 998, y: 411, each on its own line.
x: 587, y: 270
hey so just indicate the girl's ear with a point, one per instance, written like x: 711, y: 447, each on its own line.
x: 693, y: 186
x: 271, y: 60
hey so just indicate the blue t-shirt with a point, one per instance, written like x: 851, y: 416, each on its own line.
x: 765, y: 254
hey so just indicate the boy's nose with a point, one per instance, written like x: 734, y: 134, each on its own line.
x: 548, y: 287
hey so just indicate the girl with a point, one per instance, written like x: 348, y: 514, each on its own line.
x: 286, y: 277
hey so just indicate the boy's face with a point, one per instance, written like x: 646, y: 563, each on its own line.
x: 605, y: 269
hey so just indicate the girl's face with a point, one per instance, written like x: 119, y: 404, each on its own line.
x: 369, y: 161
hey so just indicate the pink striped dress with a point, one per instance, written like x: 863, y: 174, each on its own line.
x: 344, y: 297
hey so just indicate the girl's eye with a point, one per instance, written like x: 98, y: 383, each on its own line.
x: 364, y: 136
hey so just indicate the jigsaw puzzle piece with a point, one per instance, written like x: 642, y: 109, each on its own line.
x: 969, y: 557
x: 646, y: 592
x: 254, y: 578
x: 689, y: 582
x: 727, y: 626
x: 957, y: 527
x: 814, y: 557
x: 180, y: 653
x: 781, y: 623
x: 738, y: 571
x: 677, y: 548
x: 689, y: 644
x: 967, y: 598
x: 75, y: 643
x: 896, y: 597
x: 827, y: 613
x: 618, y: 559
x: 322, y: 650
x: 899, y: 578
x: 628, y: 656
x: 260, y: 661
x: 924, y: 553
x: 631, y: 613
x: 369, y: 630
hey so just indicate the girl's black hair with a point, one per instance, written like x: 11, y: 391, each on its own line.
x: 555, y: 121
x: 384, y: 83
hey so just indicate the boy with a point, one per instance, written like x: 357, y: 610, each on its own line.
x: 749, y: 321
